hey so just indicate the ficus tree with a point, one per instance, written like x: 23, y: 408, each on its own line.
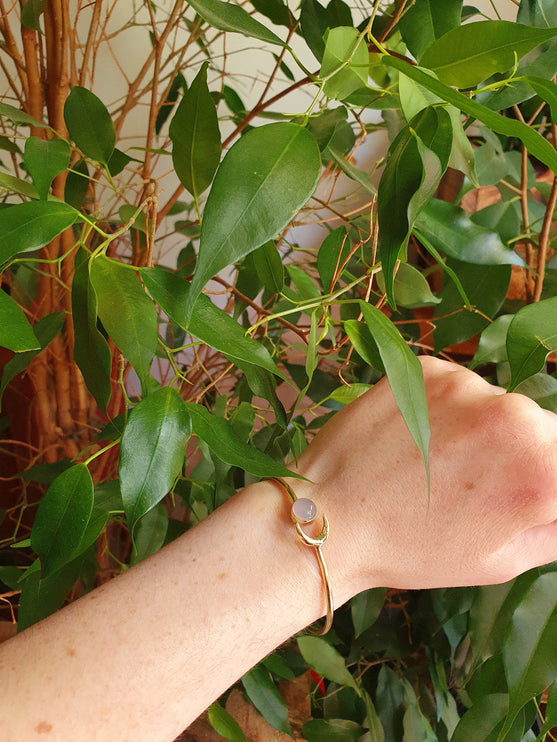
x: 157, y: 299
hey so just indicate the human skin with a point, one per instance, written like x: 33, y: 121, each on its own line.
x: 142, y: 656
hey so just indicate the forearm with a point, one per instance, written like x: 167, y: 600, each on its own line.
x: 143, y: 655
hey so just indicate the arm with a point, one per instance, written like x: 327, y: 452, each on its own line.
x: 142, y: 656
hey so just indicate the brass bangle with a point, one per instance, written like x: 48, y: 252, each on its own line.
x: 303, y: 515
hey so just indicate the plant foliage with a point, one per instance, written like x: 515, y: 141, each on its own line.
x: 165, y: 295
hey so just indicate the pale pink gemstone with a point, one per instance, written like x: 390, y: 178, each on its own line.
x: 304, y: 510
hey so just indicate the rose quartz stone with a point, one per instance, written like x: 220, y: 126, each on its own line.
x: 304, y: 510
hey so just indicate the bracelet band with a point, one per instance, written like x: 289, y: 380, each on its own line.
x: 304, y: 511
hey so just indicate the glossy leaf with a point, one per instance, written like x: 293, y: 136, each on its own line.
x: 529, y: 653
x: 152, y: 451
x: 364, y: 344
x: 265, y: 697
x: 405, y: 376
x: 77, y: 184
x: 534, y: 143
x: 62, y: 518
x: 208, y: 323
x: 492, y: 347
x: 453, y: 233
x: 264, y: 179
x: 268, y: 264
x: 89, y: 124
x: 331, y: 256
x: 15, y: 331
x: 31, y: 225
x: 91, y: 351
x: 20, y: 117
x: 416, y: 727
x: 45, y: 331
x: 332, y: 730
x: 45, y: 159
x: 349, y: 169
x: 411, y: 288
x: 426, y: 21
x: 547, y: 91
x: 17, y: 185
x: 150, y: 533
x: 345, y: 62
x: 325, y: 660
x: 541, y: 13
x: 179, y: 83
x: 531, y: 336
x: 417, y: 159
x: 365, y: 608
x: 42, y: 596
x: 225, y: 724
x: 484, y: 716
x: 276, y: 11
x: 127, y: 314
x: 313, y: 25
x: 542, y: 388
x: 486, y: 288
x: 468, y: 54
x: 219, y: 435
x: 195, y: 135
x: 229, y: 17
x: 31, y: 14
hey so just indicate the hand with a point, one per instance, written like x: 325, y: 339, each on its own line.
x: 493, y: 507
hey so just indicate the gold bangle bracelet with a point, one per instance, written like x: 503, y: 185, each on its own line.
x: 304, y: 511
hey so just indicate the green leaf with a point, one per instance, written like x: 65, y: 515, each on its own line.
x: 363, y: 342
x: 195, y: 135
x: 264, y: 179
x: 276, y: 664
x: 224, y: 724
x: 453, y: 233
x: 276, y: 11
x: 179, y: 83
x: 77, y: 184
x: 531, y: 336
x: 20, y: 117
x: 91, y: 351
x: 366, y: 607
x: 23, y: 187
x: 221, y: 438
x: 332, y: 730
x: 427, y: 20
x: 45, y: 473
x: 534, y: 142
x: 492, y: 347
x: 150, y: 533
x: 325, y: 660
x: 152, y: 451
x: 208, y: 323
x: 45, y: 331
x: 15, y: 331
x: 45, y: 159
x: 468, y: 54
x: 417, y: 159
x: 547, y: 91
x: 313, y: 25
x: 529, y: 652
x: 334, y: 250
x: 62, y: 518
x: 345, y: 62
x: 485, y: 286
x: 89, y: 124
x: 416, y: 727
x: 127, y: 314
x: 541, y: 13
x: 268, y: 264
x: 31, y: 14
x: 229, y: 17
x: 31, y: 225
x: 405, y: 376
x: 265, y: 697
x: 542, y: 388
x: 42, y: 596
x: 484, y: 716
x: 550, y: 719
x: 411, y: 288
